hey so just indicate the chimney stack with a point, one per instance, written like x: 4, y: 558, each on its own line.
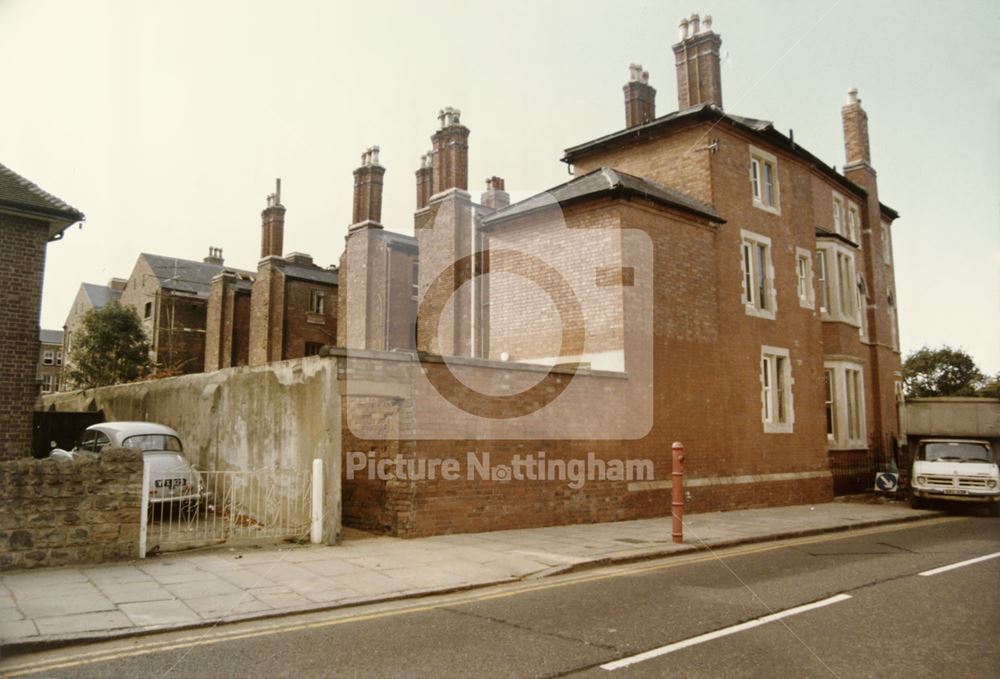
x: 640, y: 98
x: 214, y: 256
x: 495, y: 196
x: 699, y: 80
x: 272, y: 224
x: 368, y: 188
x: 425, y: 180
x: 451, y: 152
x: 856, y: 146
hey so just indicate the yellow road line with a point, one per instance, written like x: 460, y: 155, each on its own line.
x: 92, y: 657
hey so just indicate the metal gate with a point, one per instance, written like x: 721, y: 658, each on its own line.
x: 219, y: 507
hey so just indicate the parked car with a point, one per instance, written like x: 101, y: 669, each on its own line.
x: 172, y: 478
x: 959, y: 470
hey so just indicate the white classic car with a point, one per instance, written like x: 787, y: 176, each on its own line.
x: 172, y: 478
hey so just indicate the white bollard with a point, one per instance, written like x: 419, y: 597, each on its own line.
x: 316, y: 532
x: 144, y: 510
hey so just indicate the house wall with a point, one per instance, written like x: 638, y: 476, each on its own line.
x: 23, y: 263
x: 301, y: 326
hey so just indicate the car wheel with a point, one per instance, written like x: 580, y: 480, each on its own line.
x: 916, y: 502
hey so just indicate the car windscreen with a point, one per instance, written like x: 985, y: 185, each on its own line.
x: 146, y: 442
x: 955, y: 451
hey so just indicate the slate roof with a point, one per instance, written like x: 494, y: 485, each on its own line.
x: 22, y: 196
x: 309, y: 273
x: 602, y: 181
x: 99, y: 295
x: 397, y: 239
x: 185, y: 275
x: 50, y: 336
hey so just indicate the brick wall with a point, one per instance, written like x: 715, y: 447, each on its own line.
x: 85, y: 510
x: 21, y: 268
x: 303, y: 326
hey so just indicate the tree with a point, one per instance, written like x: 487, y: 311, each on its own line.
x: 941, y: 372
x: 110, y: 347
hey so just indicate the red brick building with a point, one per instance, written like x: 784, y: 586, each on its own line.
x: 29, y: 219
x: 774, y: 337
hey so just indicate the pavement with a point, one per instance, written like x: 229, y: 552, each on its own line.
x: 44, y: 608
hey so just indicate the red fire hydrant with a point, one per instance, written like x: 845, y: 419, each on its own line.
x: 677, y: 496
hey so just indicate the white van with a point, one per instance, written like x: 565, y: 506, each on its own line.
x: 961, y: 470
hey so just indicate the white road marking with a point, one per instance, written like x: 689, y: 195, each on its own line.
x: 694, y: 641
x: 942, y: 569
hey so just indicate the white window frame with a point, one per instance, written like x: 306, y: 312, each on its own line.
x: 804, y: 278
x: 760, y: 161
x: 823, y: 281
x: 849, y: 411
x: 886, y: 243
x: 59, y: 356
x: 853, y: 223
x: 48, y: 357
x: 839, y: 214
x: 777, y: 411
x: 830, y: 402
x: 840, y: 268
x: 47, y: 383
x: 317, y: 301
x: 756, y: 304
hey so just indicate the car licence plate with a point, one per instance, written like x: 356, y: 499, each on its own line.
x: 170, y: 483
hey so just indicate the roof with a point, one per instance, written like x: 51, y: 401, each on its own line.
x: 396, y: 239
x: 99, y: 295
x: 185, y: 275
x: 605, y: 180
x: 826, y: 233
x: 20, y: 196
x: 50, y: 336
x: 125, y: 429
x: 711, y: 112
x: 309, y: 273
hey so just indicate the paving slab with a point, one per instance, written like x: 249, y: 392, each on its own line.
x: 65, y: 605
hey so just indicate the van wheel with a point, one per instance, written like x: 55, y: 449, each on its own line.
x: 916, y: 502
x: 995, y: 509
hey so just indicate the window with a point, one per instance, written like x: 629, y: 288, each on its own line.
x: 764, y: 180
x: 48, y: 357
x: 893, y: 320
x: 853, y: 223
x: 862, y: 301
x: 803, y: 276
x: 59, y: 355
x: 776, y: 390
x: 845, y: 397
x: 821, y: 281
x: 415, y: 280
x: 316, y: 299
x: 313, y: 348
x: 838, y: 214
x: 886, y: 243
x: 831, y: 422
x: 148, y: 310
x: 838, y: 283
x: 47, y: 384
x: 758, y: 274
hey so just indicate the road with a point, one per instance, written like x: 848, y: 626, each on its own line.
x: 873, y: 606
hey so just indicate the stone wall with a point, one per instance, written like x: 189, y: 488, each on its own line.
x: 85, y: 510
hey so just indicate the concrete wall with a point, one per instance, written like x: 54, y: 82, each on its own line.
x: 281, y: 415
x: 84, y: 510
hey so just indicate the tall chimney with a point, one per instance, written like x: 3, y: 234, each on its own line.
x: 856, y: 146
x: 451, y: 152
x: 699, y: 80
x: 495, y: 196
x: 640, y: 98
x: 368, y: 188
x: 425, y: 180
x: 272, y: 225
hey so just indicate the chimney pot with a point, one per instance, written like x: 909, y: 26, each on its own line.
x: 706, y: 23
x: 695, y: 24
x: 852, y: 96
x: 682, y: 30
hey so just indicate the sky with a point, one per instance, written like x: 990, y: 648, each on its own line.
x: 167, y: 123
